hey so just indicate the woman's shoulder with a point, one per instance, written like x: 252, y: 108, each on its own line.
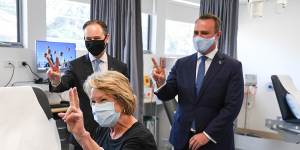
x: 139, y: 136
x: 138, y: 129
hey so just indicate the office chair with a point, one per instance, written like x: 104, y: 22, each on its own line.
x: 43, y: 101
x: 281, y: 92
x: 170, y: 107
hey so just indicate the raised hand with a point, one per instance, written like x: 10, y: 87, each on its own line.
x: 73, y: 117
x: 158, y: 72
x: 53, y: 73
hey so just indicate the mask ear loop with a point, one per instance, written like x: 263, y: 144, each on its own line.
x: 106, y: 44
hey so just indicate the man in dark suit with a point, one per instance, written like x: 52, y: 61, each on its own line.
x: 209, y: 86
x: 96, y: 39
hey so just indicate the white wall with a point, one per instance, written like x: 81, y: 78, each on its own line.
x: 267, y: 46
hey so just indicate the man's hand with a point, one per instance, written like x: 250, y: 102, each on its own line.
x: 158, y: 73
x: 53, y: 73
x: 197, y: 141
x: 73, y: 117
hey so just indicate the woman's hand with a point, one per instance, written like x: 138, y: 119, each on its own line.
x: 73, y: 117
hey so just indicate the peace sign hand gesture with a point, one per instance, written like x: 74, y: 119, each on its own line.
x: 158, y: 73
x: 53, y: 73
x: 73, y: 117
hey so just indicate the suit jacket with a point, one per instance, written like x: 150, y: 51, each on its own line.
x: 75, y: 75
x: 217, y: 105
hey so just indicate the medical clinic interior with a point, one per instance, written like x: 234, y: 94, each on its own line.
x: 149, y: 75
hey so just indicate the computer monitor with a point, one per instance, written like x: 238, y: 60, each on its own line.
x: 64, y: 51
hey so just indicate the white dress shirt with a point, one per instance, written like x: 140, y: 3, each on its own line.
x: 208, y: 61
x: 103, y: 65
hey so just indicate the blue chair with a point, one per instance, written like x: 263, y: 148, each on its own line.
x: 281, y: 93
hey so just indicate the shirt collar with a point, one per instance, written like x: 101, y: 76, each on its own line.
x: 103, y: 58
x: 210, y: 55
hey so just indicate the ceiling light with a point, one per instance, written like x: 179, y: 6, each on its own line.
x: 188, y: 2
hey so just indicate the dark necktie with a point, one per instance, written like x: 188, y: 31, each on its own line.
x: 199, y: 81
x: 200, y: 74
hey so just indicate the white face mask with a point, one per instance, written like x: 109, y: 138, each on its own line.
x: 202, y: 44
x: 105, y: 114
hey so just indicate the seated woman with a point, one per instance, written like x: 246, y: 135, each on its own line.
x: 113, y: 105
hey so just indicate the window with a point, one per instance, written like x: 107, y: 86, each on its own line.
x: 179, y: 38
x: 10, y: 20
x: 146, y: 26
x: 65, y: 20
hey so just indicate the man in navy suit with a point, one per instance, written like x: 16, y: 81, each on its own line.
x: 96, y: 39
x: 209, y: 86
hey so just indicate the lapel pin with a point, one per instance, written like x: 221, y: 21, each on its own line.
x: 220, y: 62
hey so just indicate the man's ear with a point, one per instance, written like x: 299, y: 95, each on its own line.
x: 219, y: 34
x: 107, y: 38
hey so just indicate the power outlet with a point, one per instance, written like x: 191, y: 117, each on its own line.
x: 20, y: 64
x: 8, y: 64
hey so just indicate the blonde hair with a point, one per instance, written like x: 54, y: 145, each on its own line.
x: 115, y: 84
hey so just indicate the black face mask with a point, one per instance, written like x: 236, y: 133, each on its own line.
x: 95, y: 47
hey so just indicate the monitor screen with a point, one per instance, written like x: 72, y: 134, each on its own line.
x: 64, y: 51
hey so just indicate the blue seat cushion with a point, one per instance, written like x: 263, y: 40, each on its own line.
x: 293, y: 104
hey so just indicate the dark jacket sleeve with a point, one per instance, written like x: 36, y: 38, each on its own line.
x: 232, y: 104
x: 169, y: 90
